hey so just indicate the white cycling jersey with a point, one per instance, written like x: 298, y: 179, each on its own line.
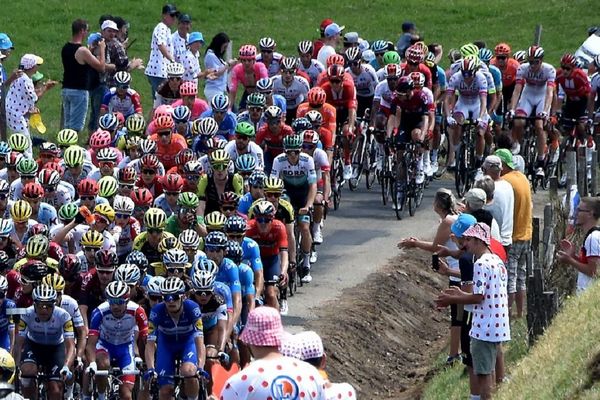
x: 295, y: 93
x: 380, y: 74
x: 365, y: 82
x: 69, y: 304
x: 61, y: 196
x: 383, y: 94
x: 52, y: 332
x: 298, y: 175
x: 275, y: 66
x: 313, y: 70
x: 467, y: 92
x: 117, y: 331
x: 535, y: 82
x: 253, y: 149
x: 321, y: 162
x: 161, y: 202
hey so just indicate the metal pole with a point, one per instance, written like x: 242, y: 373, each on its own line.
x: 537, y: 38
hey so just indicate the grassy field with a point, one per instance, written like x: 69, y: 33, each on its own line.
x: 42, y: 27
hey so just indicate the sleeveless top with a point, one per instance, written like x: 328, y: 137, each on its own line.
x: 75, y: 75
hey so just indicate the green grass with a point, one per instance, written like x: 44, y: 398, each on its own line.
x: 42, y: 27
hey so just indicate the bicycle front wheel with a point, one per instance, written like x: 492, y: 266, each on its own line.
x: 461, y: 174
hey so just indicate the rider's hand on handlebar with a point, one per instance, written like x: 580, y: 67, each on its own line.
x: 150, y: 374
x: 66, y: 372
x: 542, y: 115
x: 138, y: 362
x: 92, y: 368
x: 303, y: 211
x: 510, y: 114
x: 482, y: 124
x: 451, y: 121
x: 203, y: 374
x: 283, y: 279
x: 223, y: 357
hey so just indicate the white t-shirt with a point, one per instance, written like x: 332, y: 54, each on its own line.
x: 340, y: 391
x: 179, y: 46
x: 502, y: 209
x: 191, y: 65
x: 211, y: 61
x: 280, y: 378
x: 591, y: 248
x: 157, y: 64
x: 490, y: 317
x: 325, y: 52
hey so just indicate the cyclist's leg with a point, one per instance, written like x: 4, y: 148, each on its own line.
x: 524, y: 109
x: 318, y: 209
x: 165, y: 368
x: 124, y: 357
x: 271, y: 270
x: 188, y: 369
x: 103, y: 363
x: 29, y: 370
x: 289, y: 228
x: 53, y: 360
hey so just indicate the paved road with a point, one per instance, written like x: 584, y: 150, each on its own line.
x: 360, y: 237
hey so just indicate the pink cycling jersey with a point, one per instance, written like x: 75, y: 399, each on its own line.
x: 239, y: 76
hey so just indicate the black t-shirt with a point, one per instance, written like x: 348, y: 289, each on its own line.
x: 465, y: 264
x: 483, y: 216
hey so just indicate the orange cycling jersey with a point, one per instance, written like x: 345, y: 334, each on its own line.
x: 509, y: 72
x: 322, y: 78
x: 344, y: 99
x: 166, y: 153
x: 328, y: 113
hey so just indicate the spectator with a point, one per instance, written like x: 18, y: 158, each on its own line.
x: 522, y: 231
x: 117, y: 54
x: 586, y: 263
x: 190, y: 60
x: 214, y: 60
x: 180, y: 36
x: 330, y: 42
x: 408, y: 37
x: 475, y: 200
x: 6, y: 46
x: 123, y: 34
x: 161, y: 48
x: 78, y: 61
x: 320, y: 41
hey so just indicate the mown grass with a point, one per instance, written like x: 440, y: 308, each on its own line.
x: 42, y: 27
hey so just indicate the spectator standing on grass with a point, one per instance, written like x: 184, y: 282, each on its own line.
x: 117, y: 55
x: 214, y: 59
x: 190, y: 59
x: 318, y: 43
x: 330, y: 42
x: 78, y: 62
x: 6, y: 47
x: 161, y: 48
x: 489, y: 298
x: 180, y: 36
x: 475, y: 199
x: 522, y: 231
x: 586, y: 262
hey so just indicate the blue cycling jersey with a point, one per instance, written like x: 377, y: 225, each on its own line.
x: 47, y: 214
x: 164, y: 328
x: 246, y: 279
x: 280, y: 101
x: 230, y: 275
x: 6, y: 321
x: 226, y: 127
x: 245, y: 202
x: 223, y: 290
x: 251, y: 253
x: 441, y: 78
x: 497, y: 75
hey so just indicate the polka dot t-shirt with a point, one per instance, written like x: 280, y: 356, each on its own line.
x: 490, y: 317
x: 21, y: 97
x: 157, y: 63
x: 275, y: 379
x: 339, y: 391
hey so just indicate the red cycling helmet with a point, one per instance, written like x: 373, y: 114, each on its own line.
x: 39, y: 229
x: 334, y: 59
x: 502, y: 49
x: 106, y: 259
x: 69, y: 266
x: 316, y: 96
x: 164, y: 110
x: 142, y: 197
x: 164, y: 123
x: 188, y: 88
x: 415, y: 55
x: 311, y: 136
x: 100, y: 139
x: 184, y: 156
x: 173, y: 183
x: 568, y: 59
x: 120, y: 117
x: 54, y: 166
x: 247, y: 52
x: 127, y: 175
x: 335, y: 72
x: 33, y: 190
x: 87, y: 187
x: 149, y: 161
x: 229, y: 198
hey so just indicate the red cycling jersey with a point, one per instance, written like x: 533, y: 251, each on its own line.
x: 422, y: 68
x: 322, y: 78
x: 327, y: 111
x: 272, y: 142
x: 418, y: 103
x: 576, y: 86
x: 344, y: 99
x: 271, y: 242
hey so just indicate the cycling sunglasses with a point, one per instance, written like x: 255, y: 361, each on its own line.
x: 141, y: 208
x: 203, y: 293
x: 87, y: 198
x: 192, y: 178
x: 154, y: 230
x: 122, y: 216
x: 172, y: 193
x: 117, y: 302
x: 219, y: 167
x: 273, y: 194
x: 212, y: 248
x: 264, y: 220
x: 149, y: 172
x: 155, y: 298
x: 171, y: 298
x: 293, y: 152
x: 44, y: 304
x: 175, y: 270
x: 235, y: 235
x: 164, y: 133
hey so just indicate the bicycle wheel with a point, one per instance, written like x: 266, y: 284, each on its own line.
x: 386, y: 181
x: 461, y: 173
x: 419, y: 195
x: 293, y: 279
x: 399, y: 199
x: 412, y: 201
x: 371, y: 161
x: 358, y: 153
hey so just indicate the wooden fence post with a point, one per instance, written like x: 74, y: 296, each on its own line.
x: 547, y: 254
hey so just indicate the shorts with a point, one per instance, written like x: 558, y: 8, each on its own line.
x: 465, y: 339
x: 456, y: 310
x: 410, y: 122
x: 463, y: 110
x: 121, y: 356
x: 484, y: 356
x: 271, y: 269
x: 169, y: 352
x: 530, y: 103
x: 576, y: 109
x: 517, y: 265
x: 298, y: 200
x: 364, y: 102
x: 49, y: 358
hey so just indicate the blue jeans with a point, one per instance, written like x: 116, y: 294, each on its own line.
x: 155, y: 82
x: 96, y: 96
x: 75, y: 104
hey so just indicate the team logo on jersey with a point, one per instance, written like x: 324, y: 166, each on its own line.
x: 284, y: 388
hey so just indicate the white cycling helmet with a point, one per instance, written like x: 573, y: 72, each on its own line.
x: 189, y: 238
x: 154, y: 285
x: 128, y: 273
x: 208, y: 265
x: 172, y: 285
x: 203, y: 280
x: 44, y: 293
x: 3, y: 284
x: 175, y: 256
x: 175, y: 70
x: 117, y: 290
x: 123, y: 205
x: 122, y: 78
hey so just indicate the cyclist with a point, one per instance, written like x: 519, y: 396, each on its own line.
x: 573, y: 93
x: 235, y: 228
x: 94, y: 282
x: 77, y: 168
x: 45, y: 342
x: 90, y: 243
x: 243, y: 144
x: 533, y: 95
x: 495, y: 99
x: 115, y: 328
x: 247, y: 73
x: 415, y: 57
x: 384, y: 93
x: 189, y: 91
x: 265, y: 87
x: 142, y: 200
x: 168, y: 91
x: 269, y: 57
x: 169, y: 143
x: 218, y: 181
x: 106, y: 162
x: 33, y: 193
x: 270, y: 137
x: 219, y: 110
x: 309, y: 65
x: 186, y: 217
x: 147, y: 147
x: 291, y: 86
x: 317, y: 103
x: 121, y: 98
x: 7, y: 324
x: 175, y: 331
x: 149, y: 177
x: 172, y: 185
x: 253, y: 114
x: 21, y: 216
x: 365, y: 79
x: 147, y: 242
x: 126, y: 227
x: 27, y: 169
x: 255, y: 192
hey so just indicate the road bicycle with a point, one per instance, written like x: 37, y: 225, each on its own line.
x: 464, y: 174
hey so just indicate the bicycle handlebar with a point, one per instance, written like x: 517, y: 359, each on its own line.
x: 106, y: 372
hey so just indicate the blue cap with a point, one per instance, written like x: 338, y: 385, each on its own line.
x: 5, y: 42
x: 333, y: 29
x: 195, y: 37
x: 94, y: 37
x: 462, y: 223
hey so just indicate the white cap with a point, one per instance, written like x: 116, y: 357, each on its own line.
x: 108, y: 24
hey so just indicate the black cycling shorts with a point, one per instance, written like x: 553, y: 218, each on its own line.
x: 465, y: 339
x: 575, y: 109
x: 48, y: 357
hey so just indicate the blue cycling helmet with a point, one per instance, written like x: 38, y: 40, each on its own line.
x: 379, y: 46
x: 301, y: 124
x: 257, y: 179
x: 181, y: 114
x: 235, y: 224
x: 220, y: 103
x: 108, y: 122
x: 234, y: 251
x: 138, y: 258
x: 4, y: 149
x: 245, y: 163
x: 6, y: 226
x: 485, y: 55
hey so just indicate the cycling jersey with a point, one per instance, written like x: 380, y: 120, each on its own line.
x: 239, y: 75
x: 161, y: 202
x: 86, y: 170
x: 575, y: 87
x: 163, y: 328
x: 92, y: 294
x: 273, y: 142
x: 245, y: 204
x: 441, y: 74
x: 226, y: 127
x: 141, y: 244
x: 343, y: 99
x: 295, y: 92
x: 253, y: 148
x: 509, y: 72
x: 52, y: 332
x: 230, y: 275
x: 497, y: 77
x: 207, y: 190
x: 124, y: 236
x: 70, y: 305
x: 277, y: 100
x: 271, y: 243
x: 246, y: 279
x: 535, y: 82
x: 198, y: 108
x: 166, y: 153
x: 213, y: 311
x: 46, y: 215
x: 384, y: 95
x: 117, y: 331
x: 328, y: 113
x: 467, y: 92
x: 365, y: 82
x: 321, y: 164
x: 313, y: 70
x: 275, y: 66
x: 130, y: 104
x: 284, y: 212
x: 251, y: 254
x: 419, y: 103
x: 244, y: 116
x: 298, y: 175
x: 61, y: 195
x: 155, y: 187
x: 422, y: 68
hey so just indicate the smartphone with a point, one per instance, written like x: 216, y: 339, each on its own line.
x: 435, y: 262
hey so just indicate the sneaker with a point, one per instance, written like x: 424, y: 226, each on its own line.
x: 451, y: 360
x: 428, y: 170
x: 420, y: 178
x: 317, y: 235
x: 540, y: 172
x: 283, y: 307
x: 306, y: 278
x: 452, y: 166
x: 478, y: 174
x: 347, y: 172
x: 434, y: 167
x: 313, y: 257
x: 516, y: 148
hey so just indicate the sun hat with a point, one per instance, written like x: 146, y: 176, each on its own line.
x: 325, y: 23
x: 462, y: 223
x: 351, y: 38
x: 263, y: 328
x: 290, y: 346
x: 310, y: 345
x: 184, y: 18
x: 195, y: 37
x: 475, y: 199
x: 29, y: 61
x: 479, y: 231
x: 5, y: 42
x: 506, y: 157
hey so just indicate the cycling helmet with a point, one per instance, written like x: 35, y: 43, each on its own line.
x: 189, y: 238
x: 206, y: 264
x: 568, y: 59
x: 4, y: 149
x: 257, y: 179
x: 379, y: 46
x: 219, y: 157
x: 418, y: 79
x: 430, y: 59
x: 4, y: 261
x: 49, y: 148
x: 92, y: 238
x: 301, y: 124
x: 305, y: 47
x: 292, y: 142
x: 163, y: 110
x: 192, y: 167
x: 229, y: 198
x: 263, y: 208
x: 172, y: 285
x: 4, y: 283
x: 148, y: 146
x: 264, y: 85
x: 267, y: 43
x: 34, y: 271
x: 122, y: 78
x: 335, y: 71
x: 108, y: 186
x: 69, y: 266
x: 314, y: 117
x: 203, y: 280
x: 392, y: 71
x: 164, y: 123
x: 184, y: 156
x: 181, y: 114
x: 273, y: 112
x: 468, y: 65
x: 485, y: 55
x: 44, y: 293
x: 4, y: 186
x: 120, y: 118
x: 234, y: 251
x: 256, y: 100
x: 216, y: 143
x: 310, y: 136
x: 206, y: 127
x: 215, y: 220
x: 106, y: 259
x: 220, y: 103
x: 39, y: 229
x: 247, y: 52
x: 138, y: 258
x: 100, y: 139
x: 20, y: 211
x: 118, y: 289
x: 127, y: 175
x: 33, y: 190
x: 316, y: 96
x: 87, y: 187
x: 596, y: 61
x: 245, y: 163
x: 235, y: 224
x: 106, y: 154
x: 123, y: 205
x: 469, y: 49
x: 19, y: 142
x: 168, y: 243
x: 135, y: 123
x: 67, y: 212
x: 535, y: 52
x: 216, y: 239
x: 27, y: 166
x: 188, y: 200
x: 49, y: 178
x: 391, y: 57
x: 155, y: 218
x: 73, y: 156
x: 154, y: 285
x: 415, y: 55
x: 37, y: 246
x: 149, y: 161
x: 55, y: 281
x: 502, y: 49
x: 105, y: 210
x: 142, y: 197
x: 274, y: 185
x: 353, y: 54
x: 6, y: 227
x: 13, y: 158
x: 289, y: 63
x: 188, y: 88
x: 173, y: 183
x: 175, y: 70
x: 108, y: 122
x: 128, y: 273
x: 175, y: 256
x: 245, y: 129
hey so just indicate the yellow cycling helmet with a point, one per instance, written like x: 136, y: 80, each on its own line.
x: 54, y: 280
x: 274, y: 185
x: 168, y: 243
x: 19, y: 142
x: 106, y: 211
x: 155, y: 218
x: 7, y: 370
x: 215, y: 221
x: 37, y: 246
x: 21, y: 211
x: 219, y: 157
x: 92, y: 238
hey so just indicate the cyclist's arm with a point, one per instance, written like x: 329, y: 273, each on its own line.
x: 19, y: 341
x: 326, y: 185
x: 81, y: 332
x: 221, y: 333
x: 90, y: 349
x: 449, y: 101
x: 150, y: 353
x: 374, y: 111
x: 284, y: 261
x: 482, y: 105
x: 83, y: 309
x: 257, y: 268
x: 549, y: 96
x: 516, y: 95
x: 200, y: 350
x: 63, y: 232
x: 590, y: 103
x: 69, y: 342
x: 351, y: 119
x: 393, y: 122
x: 492, y: 103
x: 289, y: 229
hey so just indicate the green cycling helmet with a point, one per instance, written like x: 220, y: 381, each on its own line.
x: 107, y: 186
x: 19, y: 142
x: 391, y: 57
x: 73, y: 156
x: 475, y: 58
x: 67, y: 137
x: 293, y: 142
x: 468, y: 50
x: 67, y: 212
x: 188, y: 200
x: 245, y: 129
x: 256, y: 100
x: 27, y: 166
